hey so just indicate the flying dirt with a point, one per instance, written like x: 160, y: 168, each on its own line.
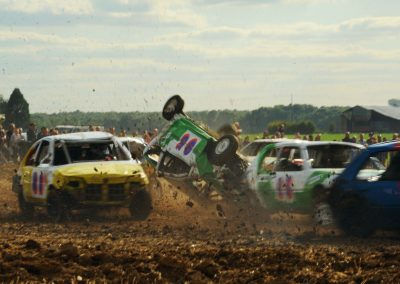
x: 184, y: 241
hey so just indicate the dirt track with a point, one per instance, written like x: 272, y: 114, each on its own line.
x: 183, y: 242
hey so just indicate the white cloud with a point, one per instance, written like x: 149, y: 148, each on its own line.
x: 75, y: 7
x: 170, y: 12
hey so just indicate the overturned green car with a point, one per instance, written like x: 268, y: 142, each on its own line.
x: 187, y: 151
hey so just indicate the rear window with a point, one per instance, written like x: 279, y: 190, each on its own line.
x: 331, y: 156
x: 95, y: 151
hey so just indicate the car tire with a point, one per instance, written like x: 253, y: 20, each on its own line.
x: 322, y: 210
x: 141, y: 205
x: 26, y: 209
x: 223, y: 150
x: 354, y: 216
x: 173, y: 106
x: 57, y: 206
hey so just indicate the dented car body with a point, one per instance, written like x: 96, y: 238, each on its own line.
x: 366, y: 196
x: 187, y: 151
x: 71, y: 171
x: 294, y: 175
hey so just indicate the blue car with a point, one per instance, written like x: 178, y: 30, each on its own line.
x: 366, y: 196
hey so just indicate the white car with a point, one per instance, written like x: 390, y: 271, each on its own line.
x: 294, y: 175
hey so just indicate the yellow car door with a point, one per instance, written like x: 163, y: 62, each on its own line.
x: 27, y: 166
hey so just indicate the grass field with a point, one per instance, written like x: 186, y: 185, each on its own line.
x: 324, y: 136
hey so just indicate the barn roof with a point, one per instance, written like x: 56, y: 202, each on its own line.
x: 389, y: 111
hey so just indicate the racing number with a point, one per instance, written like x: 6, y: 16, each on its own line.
x: 39, y: 181
x: 188, y: 143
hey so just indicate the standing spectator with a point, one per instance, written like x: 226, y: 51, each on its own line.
x: 318, y: 137
x: 371, y: 138
x: 347, y: 137
x: 31, y: 133
x: 379, y: 138
x: 281, y: 130
x: 4, y: 154
x: 310, y: 137
x: 146, y: 137
x: 361, y: 139
x: 43, y: 133
x: 395, y: 136
x: 91, y: 128
x: 97, y: 128
x: 155, y: 133
x: 297, y: 135
x: 53, y: 131
x: 122, y: 133
x: 10, y: 132
x: 15, y: 140
x: 354, y: 139
x: 265, y: 134
x: 237, y: 128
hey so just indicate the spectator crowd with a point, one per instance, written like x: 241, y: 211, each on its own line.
x: 14, y: 143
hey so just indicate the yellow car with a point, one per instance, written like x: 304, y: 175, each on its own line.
x: 80, y: 170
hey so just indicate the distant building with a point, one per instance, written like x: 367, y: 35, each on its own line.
x: 371, y: 118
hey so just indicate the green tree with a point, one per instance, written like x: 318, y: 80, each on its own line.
x: 3, y: 104
x: 17, y: 110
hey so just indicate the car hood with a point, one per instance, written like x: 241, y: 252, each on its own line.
x: 97, y: 172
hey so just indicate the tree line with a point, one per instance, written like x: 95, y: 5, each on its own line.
x: 323, y: 119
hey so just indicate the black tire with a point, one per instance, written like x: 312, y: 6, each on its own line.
x: 57, y: 206
x: 173, y: 106
x: 223, y: 150
x: 26, y: 209
x: 141, y: 205
x: 354, y: 216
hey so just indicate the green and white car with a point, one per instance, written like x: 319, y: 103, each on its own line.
x: 185, y: 150
x: 294, y: 175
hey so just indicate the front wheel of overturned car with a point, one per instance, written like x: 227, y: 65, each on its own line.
x: 26, y: 209
x: 354, y: 216
x: 173, y: 106
x: 223, y: 150
x: 141, y: 205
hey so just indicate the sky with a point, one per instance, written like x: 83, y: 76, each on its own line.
x: 131, y: 55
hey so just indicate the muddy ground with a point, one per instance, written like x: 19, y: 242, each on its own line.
x: 185, y: 242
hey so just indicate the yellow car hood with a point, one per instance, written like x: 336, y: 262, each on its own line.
x: 97, y: 172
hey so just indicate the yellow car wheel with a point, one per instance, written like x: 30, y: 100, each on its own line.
x: 27, y: 210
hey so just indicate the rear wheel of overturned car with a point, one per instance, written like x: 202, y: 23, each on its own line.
x: 57, y: 206
x: 141, y: 205
x: 223, y: 150
x: 173, y: 106
x: 27, y: 210
x: 354, y: 216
